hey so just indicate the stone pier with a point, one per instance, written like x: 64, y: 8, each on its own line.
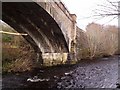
x: 50, y: 59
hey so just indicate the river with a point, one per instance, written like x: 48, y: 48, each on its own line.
x: 97, y: 73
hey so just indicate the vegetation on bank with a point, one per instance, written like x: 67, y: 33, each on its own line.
x: 96, y: 41
x: 17, y: 54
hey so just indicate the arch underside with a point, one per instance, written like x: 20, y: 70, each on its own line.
x: 43, y: 32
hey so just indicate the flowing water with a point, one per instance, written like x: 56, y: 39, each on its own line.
x: 98, y: 73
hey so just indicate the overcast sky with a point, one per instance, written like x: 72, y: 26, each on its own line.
x: 84, y: 8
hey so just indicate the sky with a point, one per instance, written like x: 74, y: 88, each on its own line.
x: 84, y: 9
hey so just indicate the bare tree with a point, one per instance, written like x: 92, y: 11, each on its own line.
x: 103, y: 40
x: 110, y: 9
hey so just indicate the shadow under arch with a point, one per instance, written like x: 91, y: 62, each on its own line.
x: 44, y: 34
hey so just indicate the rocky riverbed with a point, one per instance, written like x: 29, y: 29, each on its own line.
x: 97, y: 73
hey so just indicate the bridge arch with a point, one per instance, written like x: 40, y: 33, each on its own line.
x: 49, y: 32
x: 43, y: 32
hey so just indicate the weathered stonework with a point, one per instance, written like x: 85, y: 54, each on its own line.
x: 50, y: 27
x: 67, y: 23
x: 65, y: 20
x: 54, y: 58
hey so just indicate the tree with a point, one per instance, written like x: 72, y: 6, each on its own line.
x: 102, y: 40
x: 110, y: 9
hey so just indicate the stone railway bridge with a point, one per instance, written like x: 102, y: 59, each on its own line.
x: 50, y: 27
